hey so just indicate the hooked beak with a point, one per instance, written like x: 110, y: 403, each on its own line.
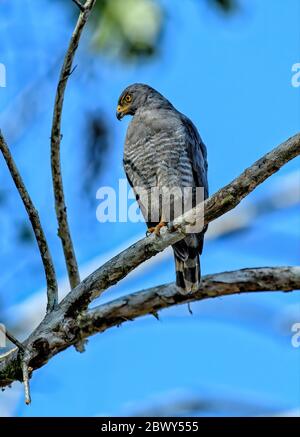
x: 121, y: 111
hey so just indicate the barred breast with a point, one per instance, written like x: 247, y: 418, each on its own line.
x: 155, y: 153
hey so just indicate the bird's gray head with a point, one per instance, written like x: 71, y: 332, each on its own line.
x: 138, y: 96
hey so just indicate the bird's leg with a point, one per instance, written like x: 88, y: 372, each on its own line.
x: 156, y: 229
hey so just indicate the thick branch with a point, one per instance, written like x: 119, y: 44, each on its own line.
x: 215, y: 206
x: 58, y: 331
x: 60, y: 205
x: 66, y: 325
x: 154, y: 299
x: 36, y: 226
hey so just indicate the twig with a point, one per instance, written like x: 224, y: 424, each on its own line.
x: 33, y: 215
x: 81, y: 7
x: 60, y: 205
x: 12, y: 338
x: 26, y: 382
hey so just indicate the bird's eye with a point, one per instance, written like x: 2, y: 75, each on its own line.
x: 128, y: 98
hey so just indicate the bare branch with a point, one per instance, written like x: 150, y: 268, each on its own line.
x: 77, y: 2
x: 58, y: 331
x: 25, y: 373
x: 138, y: 304
x: 60, y: 205
x: 68, y: 324
x: 221, y: 202
x: 12, y: 338
x: 36, y: 226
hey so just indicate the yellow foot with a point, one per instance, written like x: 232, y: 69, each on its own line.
x: 156, y: 229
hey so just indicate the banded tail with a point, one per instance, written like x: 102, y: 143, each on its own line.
x: 187, y: 265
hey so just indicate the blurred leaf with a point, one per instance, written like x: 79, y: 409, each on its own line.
x: 2, y: 197
x: 132, y: 29
x: 128, y: 28
x: 224, y: 5
x: 181, y: 403
x: 25, y: 234
x: 97, y: 134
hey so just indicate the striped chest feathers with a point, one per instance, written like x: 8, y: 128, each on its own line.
x: 155, y: 150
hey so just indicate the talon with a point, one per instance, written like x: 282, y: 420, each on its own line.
x: 150, y: 231
x: 159, y: 226
x: 156, y: 229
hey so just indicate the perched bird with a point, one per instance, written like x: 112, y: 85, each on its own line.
x: 164, y: 149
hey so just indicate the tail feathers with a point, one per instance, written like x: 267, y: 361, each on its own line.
x: 188, y: 274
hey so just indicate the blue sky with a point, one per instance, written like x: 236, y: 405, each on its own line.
x: 232, y: 77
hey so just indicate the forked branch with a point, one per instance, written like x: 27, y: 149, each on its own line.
x: 71, y: 323
x: 36, y: 226
x: 58, y: 331
x: 60, y: 204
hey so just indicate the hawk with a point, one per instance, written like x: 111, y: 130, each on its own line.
x: 164, y: 149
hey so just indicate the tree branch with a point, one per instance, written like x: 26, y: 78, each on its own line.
x: 60, y: 205
x: 25, y: 372
x: 80, y: 5
x: 218, y: 204
x: 36, y: 226
x: 59, y: 331
x: 65, y: 326
x: 12, y: 338
x: 154, y: 299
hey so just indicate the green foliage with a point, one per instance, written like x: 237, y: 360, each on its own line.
x: 128, y: 29
x: 131, y: 29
